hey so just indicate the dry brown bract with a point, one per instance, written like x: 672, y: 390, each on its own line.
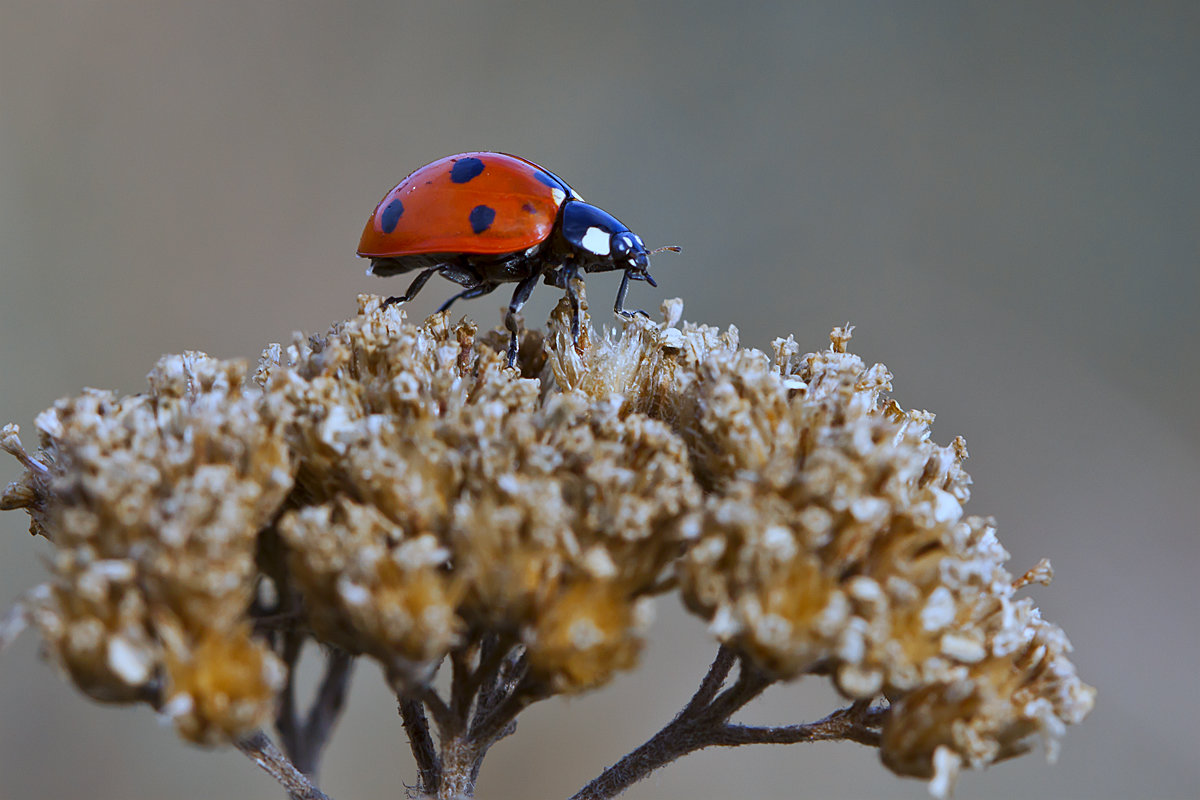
x: 392, y: 490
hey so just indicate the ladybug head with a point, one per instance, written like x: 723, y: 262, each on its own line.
x: 601, y: 242
x: 629, y: 253
x: 637, y: 260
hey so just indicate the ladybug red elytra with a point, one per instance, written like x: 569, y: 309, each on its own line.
x: 482, y: 219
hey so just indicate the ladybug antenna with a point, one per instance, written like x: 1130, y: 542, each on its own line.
x: 674, y: 248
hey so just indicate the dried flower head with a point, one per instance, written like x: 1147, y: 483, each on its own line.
x: 394, y: 490
x: 436, y: 495
x: 154, y: 504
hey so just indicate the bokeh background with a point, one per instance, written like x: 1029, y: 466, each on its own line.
x: 1004, y: 198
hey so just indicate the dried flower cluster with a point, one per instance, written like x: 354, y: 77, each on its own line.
x: 393, y: 490
x: 436, y: 496
x: 154, y: 504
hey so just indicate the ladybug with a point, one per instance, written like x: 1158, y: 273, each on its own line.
x: 482, y: 219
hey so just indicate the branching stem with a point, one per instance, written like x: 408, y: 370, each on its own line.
x: 489, y: 686
x: 713, y: 681
x: 704, y: 722
x: 303, y: 740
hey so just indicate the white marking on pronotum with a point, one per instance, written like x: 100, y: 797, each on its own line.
x: 596, y: 240
x: 559, y: 195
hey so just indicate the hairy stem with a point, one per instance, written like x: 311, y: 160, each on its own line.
x: 416, y: 725
x: 855, y: 723
x: 717, y: 673
x: 260, y: 749
x: 497, y: 721
x: 489, y: 685
x: 704, y: 722
x: 750, y: 684
x: 689, y: 730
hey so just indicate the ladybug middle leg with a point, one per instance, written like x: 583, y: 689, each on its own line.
x: 520, y: 295
x: 467, y: 294
x: 569, y: 274
x: 564, y: 278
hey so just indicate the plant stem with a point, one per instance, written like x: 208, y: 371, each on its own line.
x: 717, y: 673
x: 429, y: 768
x: 304, y: 740
x: 680, y: 736
x: 260, y: 749
x: 856, y: 723
x: 489, y: 685
x: 704, y: 722
x: 327, y: 706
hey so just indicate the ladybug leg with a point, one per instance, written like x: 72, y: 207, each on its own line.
x: 619, y: 306
x: 566, y: 280
x: 413, y: 287
x: 467, y: 294
x: 520, y: 295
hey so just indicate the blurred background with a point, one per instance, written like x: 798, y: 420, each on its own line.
x: 1003, y: 198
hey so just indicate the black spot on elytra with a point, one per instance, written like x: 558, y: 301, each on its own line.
x: 465, y: 169
x: 391, y: 215
x: 481, y: 218
x: 528, y: 208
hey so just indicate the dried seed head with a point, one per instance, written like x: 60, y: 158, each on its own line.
x: 154, y: 504
x: 402, y: 493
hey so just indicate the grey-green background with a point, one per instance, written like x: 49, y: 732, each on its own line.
x: 1002, y: 197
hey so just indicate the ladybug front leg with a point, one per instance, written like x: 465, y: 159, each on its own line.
x: 413, y: 287
x: 619, y: 306
x: 520, y: 295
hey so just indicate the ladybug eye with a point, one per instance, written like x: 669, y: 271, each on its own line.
x: 626, y: 244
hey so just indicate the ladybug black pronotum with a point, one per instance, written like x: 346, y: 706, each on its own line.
x: 483, y: 219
